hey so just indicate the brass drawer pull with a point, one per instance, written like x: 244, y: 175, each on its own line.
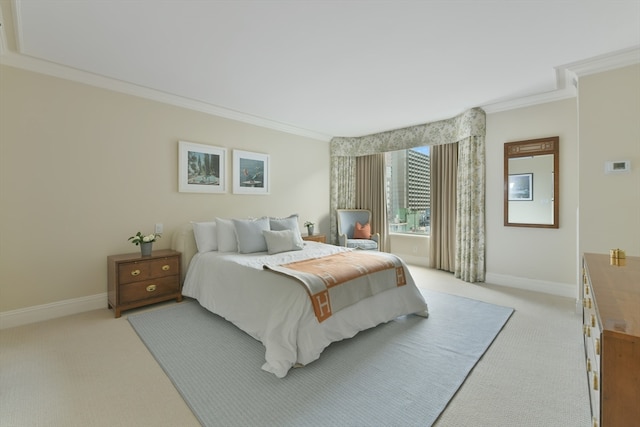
x: 166, y: 267
x: 595, y: 381
x: 135, y: 272
x: 593, y: 320
x: 588, y: 365
x: 597, y: 344
x: 588, y: 302
x: 151, y: 288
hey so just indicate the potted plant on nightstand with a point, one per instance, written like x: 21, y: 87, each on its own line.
x: 309, y: 226
x: 145, y: 242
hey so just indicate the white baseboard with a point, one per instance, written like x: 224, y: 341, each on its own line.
x: 553, y: 288
x: 38, y: 313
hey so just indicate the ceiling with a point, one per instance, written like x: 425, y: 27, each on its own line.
x: 328, y: 68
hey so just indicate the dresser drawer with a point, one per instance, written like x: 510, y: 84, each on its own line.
x: 149, y: 289
x: 144, y: 270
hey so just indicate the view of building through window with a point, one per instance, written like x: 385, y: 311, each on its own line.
x: 409, y: 190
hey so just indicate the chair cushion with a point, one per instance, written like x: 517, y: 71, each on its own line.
x: 362, y: 231
x: 365, y: 244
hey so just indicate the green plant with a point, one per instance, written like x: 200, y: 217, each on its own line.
x: 309, y: 224
x: 140, y: 238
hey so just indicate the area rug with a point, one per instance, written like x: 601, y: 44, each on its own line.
x: 400, y: 373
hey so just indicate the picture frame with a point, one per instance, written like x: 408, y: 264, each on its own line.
x: 201, y: 168
x: 521, y: 187
x: 251, y: 173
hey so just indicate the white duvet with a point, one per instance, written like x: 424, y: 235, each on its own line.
x: 277, y: 311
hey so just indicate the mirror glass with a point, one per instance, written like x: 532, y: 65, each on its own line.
x: 531, y: 183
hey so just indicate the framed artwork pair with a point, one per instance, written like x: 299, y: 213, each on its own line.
x: 203, y: 169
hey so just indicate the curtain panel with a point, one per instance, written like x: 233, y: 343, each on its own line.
x: 371, y: 194
x: 444, y: 179
x: 470, y: 210
x: 469, y: 126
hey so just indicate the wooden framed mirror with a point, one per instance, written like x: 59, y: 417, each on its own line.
x: 531, y: 183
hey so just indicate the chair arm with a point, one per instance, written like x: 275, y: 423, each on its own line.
x: 376, y: 237
x: 342, y: 240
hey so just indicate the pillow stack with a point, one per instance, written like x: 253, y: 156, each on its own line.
x: 245, y: 236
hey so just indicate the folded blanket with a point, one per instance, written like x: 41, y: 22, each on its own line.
x: 339, y: 280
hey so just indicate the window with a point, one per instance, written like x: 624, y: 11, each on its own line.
x: 409, y: 190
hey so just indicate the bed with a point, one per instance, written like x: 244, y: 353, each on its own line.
x: 275, y: 308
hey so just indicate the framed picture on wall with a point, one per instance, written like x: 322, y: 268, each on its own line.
x: 250, y: 173
x: 201, y: 168
x: 521, y: 187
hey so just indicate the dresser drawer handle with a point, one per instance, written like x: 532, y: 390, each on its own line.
x: 597, y: 344
x: 151, y: 288
x: 587, y: 330
x: 135, y: 272
x: 595, y: 381
x: 166, y: 267
x: 588, y: 365
x: 588, y: 302
x: 586, y: 290
x: 593, y: 320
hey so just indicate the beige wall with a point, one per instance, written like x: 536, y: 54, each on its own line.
x: 609, y: 110
x: 517, y: 253
x: 82, y: 169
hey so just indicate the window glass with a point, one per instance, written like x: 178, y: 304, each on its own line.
x: 408, y: 190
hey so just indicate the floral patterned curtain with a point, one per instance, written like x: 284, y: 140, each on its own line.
x: 468, y: 129
x: 470, y: 219
x: 343, y: 189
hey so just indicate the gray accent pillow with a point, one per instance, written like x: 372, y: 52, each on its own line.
x: 288, y: 223
x: 282, y: 241
x: 249, y: 234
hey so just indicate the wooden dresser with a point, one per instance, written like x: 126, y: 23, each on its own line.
x: 611, y: 315
x: 135, y: 281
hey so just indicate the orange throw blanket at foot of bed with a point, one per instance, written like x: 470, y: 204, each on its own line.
x: 337, y: 281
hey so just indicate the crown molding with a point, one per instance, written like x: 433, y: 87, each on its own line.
x: 56, y: 70
x: 567, y: 79
x: 606, y: 62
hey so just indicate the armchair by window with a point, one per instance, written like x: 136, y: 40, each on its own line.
x: 350, y: 237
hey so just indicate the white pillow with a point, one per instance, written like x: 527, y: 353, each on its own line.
x: 288, y: 223
x: 282, y: 241
x: 249, y: 234
x: 206, y: 236
x: 227, y: 241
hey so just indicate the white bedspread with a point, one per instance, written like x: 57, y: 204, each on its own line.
x: 277, y: 310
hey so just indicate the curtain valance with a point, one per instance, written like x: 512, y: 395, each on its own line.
x: 470, y: 123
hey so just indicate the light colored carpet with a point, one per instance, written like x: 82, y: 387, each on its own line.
x: 401, y: 373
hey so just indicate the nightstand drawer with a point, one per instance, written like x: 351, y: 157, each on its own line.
x: 165, y: 267
x: 149, y: 289
x: 144, y: 270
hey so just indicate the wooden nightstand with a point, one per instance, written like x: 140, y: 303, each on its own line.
x: 316, y: 238
x: 135, y: 281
